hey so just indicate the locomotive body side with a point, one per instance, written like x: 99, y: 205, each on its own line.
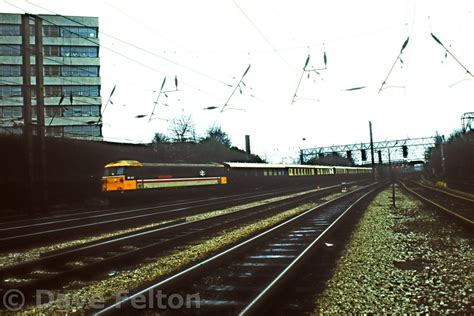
x: 128, y: 175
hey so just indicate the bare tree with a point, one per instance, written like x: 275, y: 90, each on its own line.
x: 215, y: 133
x: 182, y: 129
x: 160, y: 138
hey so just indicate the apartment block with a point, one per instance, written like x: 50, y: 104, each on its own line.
x: 71, y: 75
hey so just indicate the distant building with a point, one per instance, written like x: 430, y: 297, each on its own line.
x: 71, y: 74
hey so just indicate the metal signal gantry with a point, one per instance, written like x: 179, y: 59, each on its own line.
x: 419, y: 145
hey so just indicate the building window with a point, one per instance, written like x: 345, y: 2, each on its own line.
x: 10, y: 50
x: 95, y: 110
x: 79, y: 51
x: 80, y: 71
x: 52, y: 91
x: 81, y: 91
x: 10, y: 30
x: 67, y: 111
x: 11, y: 130
x: 51, y: 51
x: 52, y: 71
x: 85, y: 111
x: 83, y: 32
x: 76, y: 111
x: 52, y: 111
x: 10, y: 71
x: 54, y: 131
x: 82, y: 130
x: 51, y: 31
x: 10, y: 91
x: 81, y: 110
x: 11, y: 111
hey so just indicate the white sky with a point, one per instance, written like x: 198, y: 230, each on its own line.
x: 208, y: 43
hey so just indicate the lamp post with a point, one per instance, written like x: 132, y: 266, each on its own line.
x: 392, y: 179
x: 442, y: 156
x: 301, y: 152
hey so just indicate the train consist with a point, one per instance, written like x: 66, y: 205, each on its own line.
x: 131, y: 175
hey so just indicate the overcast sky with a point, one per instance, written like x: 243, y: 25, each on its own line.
x: 208, y: 45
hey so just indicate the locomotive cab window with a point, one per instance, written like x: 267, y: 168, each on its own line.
x: 110, y: 172
x: 114, y: 171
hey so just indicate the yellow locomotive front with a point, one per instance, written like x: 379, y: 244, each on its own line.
x: 115, y: 177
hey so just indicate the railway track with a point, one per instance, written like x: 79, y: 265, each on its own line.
x: 97, y: 259
x: 457, y: 206
x: 238, y: 280
x: 26, y: 234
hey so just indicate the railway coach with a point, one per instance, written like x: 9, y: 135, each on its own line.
x: 283, y: 175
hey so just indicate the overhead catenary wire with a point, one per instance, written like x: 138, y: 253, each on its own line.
x: 157, y: 98
x: 105, y: 106
x: 394, y: 63
x: 261, y: 33
x: 65, y: 78
x: 305, y: 70
x: 9, y: 82
x: 32, y: 51
x: 451, y: 54
x: 61, y: 97
x: 237, y: 86
x: 90, y: 40
x: 138, y: 47
x: 114, y: 51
